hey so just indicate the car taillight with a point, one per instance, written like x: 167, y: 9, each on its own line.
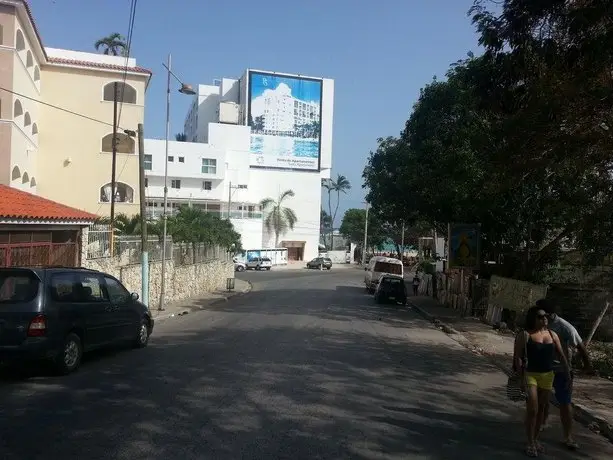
x: 38, y: 326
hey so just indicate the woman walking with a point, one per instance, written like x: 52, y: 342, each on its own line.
x: 535, y: 350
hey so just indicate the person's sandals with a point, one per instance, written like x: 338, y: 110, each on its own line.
x: 532, y: 451
x: 539, y: 447
x: 571, y: 445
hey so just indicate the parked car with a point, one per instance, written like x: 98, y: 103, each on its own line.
x: 259, y: 263
x: 56, y: 314
x: 378, y: 266
x: 239, y: 266
x: 320, y: 263
x: 391, y: 288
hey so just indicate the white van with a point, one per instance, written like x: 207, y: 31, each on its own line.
x: 378, y: 266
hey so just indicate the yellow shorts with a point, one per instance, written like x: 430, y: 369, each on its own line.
x: 541, y: 380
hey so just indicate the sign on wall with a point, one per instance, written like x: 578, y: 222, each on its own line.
x: 464, y: 245
x: 284, y: 114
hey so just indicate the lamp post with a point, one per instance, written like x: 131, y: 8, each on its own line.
x: 184, y: 89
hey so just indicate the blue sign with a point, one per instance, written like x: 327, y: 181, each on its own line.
x: 464, y: 245
x: 284, y: 114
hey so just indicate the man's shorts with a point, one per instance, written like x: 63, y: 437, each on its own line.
x: 541, y: 380
x: 563, y: 388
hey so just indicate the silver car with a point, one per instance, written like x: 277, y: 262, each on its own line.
x: 259, y: 263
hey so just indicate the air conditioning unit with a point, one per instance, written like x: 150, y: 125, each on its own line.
x: 228, y: 113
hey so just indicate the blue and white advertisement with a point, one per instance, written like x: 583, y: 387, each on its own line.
x: 284, y: 114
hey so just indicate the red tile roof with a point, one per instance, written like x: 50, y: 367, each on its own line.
x: 17, y: 204
x: 98, y: 65
x: 95, y: 65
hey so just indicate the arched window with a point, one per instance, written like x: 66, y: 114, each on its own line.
x: 25, y: 179
x: 123, y: 193
x: 16, y: 173
x: 32, y: 182
x: 34, y: 129
x: 125, y: 144
x: 17, y: 109
x: 29, y: 60
x: 20, y: 43
x: 36, y: 73
x: 27, y: 120
x: 125, y: 90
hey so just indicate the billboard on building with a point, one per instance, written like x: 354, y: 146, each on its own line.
x: 284, y: 113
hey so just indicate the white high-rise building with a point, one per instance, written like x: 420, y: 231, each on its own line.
x: 249, y: 139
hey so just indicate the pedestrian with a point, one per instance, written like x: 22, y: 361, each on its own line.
x: 533, y: 358
x: 416, y: 282
x: 563, y: 382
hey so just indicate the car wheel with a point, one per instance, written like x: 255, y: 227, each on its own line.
x: 329, y: 268
x: 268, y: 268
x: 240, y: 268
x: 69, y: 358
x: 142, y: 336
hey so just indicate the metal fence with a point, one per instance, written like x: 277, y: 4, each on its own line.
x: 128, y: 249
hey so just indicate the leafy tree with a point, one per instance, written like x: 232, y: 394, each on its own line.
x: 279, y: 218
x: 352, y: 228
x: 181, y: 137
x: 517, y: 139
x: 113, y: 44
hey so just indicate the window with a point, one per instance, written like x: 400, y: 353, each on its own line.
x: 175, y: 183
x: 116, y: 292
x: 18, y: 286
x: 29, y: 60
x: 27, y: 120
x: 386, y: 267
x: 34, y: 129
x: 16, y: 173
x: 123, y: 193
x: 17, y: 109
x: 146, y: 182
x: 171, y: 158
x: 125, y: 144
x: 207, y: 185
x: 76, y: 287
x: 181, y: 159
x: 20, y: 43
x: 125, y: 93
x: 36, y: 73
x: 209, y: 166
x: 148, y: 163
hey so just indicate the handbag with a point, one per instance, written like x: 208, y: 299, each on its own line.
x: 516, y: 389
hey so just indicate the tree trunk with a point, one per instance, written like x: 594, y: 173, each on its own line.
x: 331, y: 229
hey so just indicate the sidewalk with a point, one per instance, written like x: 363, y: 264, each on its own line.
x: 199, y: 303
x: 593, y: 397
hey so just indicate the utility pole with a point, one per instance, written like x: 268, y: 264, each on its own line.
x: 114, y: 167
x: 365, y: 236
x: 229, y: 198
x: 144, y: 259
x: 402, y: 243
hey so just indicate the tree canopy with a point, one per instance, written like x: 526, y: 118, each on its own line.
x: 518, y: 139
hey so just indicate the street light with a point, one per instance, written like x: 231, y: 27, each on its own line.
x: 185, y: 89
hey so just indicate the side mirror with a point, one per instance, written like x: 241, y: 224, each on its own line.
x: 134, y: 296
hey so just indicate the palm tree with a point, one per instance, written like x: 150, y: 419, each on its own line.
x: 329, y: 185
x: 127, y: 225
x: 341, y: 184
x: 181, y: 137
x: 279, y: 219
x: 114, y: 44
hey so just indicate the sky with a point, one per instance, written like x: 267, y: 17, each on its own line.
x: 380, y: 53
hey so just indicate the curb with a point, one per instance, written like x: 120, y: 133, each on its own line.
x: 581, y: 413
x: 220, y: 300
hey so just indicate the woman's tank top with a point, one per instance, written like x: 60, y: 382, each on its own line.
x: 540, y: 356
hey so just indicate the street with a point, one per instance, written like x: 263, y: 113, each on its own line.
x: 305, y: 366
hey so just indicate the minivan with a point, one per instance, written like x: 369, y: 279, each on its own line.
x: 56, y: 314
x: 378, y: 266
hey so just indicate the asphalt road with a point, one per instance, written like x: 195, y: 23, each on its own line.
x: 303, y: 367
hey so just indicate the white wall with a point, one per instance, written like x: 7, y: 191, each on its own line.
x: 251, y: 232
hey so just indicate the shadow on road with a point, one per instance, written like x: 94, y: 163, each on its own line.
x: 263, y: 377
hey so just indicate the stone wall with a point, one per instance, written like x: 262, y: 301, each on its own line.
x: 182, y: 281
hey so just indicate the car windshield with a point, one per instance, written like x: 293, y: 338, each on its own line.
x: 326, y: 259
x: 386, y: 267
x: 265, y: 259
x: 18, y: 286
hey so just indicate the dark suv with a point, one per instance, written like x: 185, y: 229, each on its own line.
x: 320, y: 263
x: 56, y: 314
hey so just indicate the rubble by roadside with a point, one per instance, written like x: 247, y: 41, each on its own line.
x: 593, y: 396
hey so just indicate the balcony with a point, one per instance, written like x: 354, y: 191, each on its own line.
x: 157, y: 212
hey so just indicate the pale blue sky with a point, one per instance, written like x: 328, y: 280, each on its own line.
x: 379, y: 53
